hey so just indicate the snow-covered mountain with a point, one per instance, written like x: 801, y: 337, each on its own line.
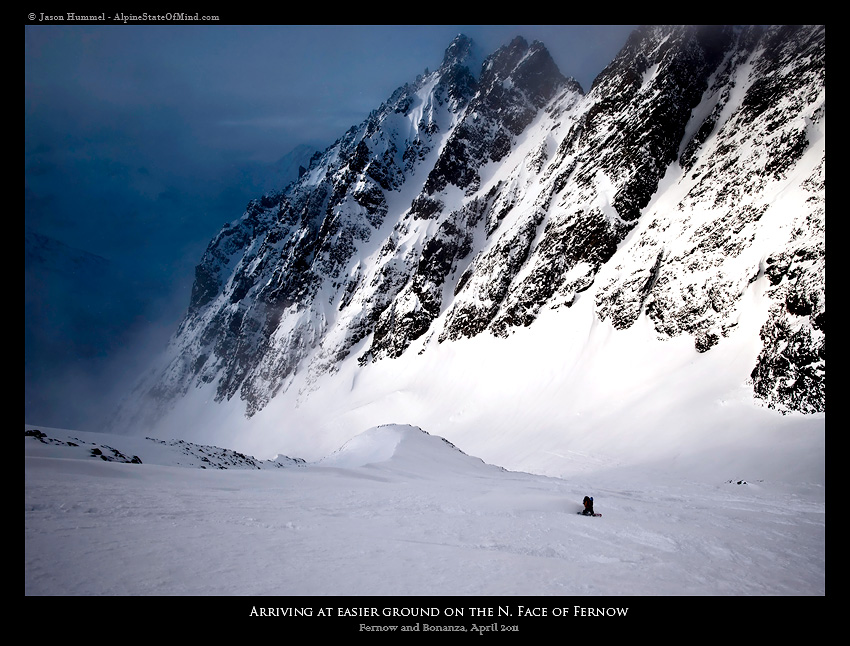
x: 493, y: 239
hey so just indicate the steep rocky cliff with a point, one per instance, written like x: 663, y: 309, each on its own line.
x: 486, y: 191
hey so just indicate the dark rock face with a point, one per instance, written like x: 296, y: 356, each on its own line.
x: 647, y: 94
x: 622, y: 143
x: 525, y: 190
x: 790, y: 373
x: 516, y: 82
x: 695, y: 285
x: 416, y: 307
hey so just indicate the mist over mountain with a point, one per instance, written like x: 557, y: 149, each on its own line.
x: 83, y: 314
x: 264, y: 177
x: 495, y: 240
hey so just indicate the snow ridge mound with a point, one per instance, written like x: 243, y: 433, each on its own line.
x: 402, y: 447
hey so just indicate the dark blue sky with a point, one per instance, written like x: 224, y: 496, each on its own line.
x: 141, y: 141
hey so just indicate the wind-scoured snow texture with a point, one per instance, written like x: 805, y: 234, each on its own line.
x: 396, y: 512
x: 484, y: 193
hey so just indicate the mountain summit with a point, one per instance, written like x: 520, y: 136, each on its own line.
x: 684, y: 185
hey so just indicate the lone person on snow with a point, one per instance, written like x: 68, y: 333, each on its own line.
x: 588, y: 506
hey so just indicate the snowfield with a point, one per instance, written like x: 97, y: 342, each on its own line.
x: 703, y: 493
x: 399, y: 512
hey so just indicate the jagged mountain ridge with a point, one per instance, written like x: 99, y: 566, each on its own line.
x: 476, y: 196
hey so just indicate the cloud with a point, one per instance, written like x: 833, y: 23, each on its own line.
x: 140, y: 142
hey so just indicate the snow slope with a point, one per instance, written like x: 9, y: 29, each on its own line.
x: 398, y: 512
x: 643, y: 354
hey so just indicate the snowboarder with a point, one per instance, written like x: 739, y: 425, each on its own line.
x: 588, y: 506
